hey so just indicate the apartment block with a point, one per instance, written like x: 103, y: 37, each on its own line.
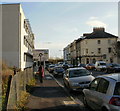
x: 17, y: 37
x: 91, y: 47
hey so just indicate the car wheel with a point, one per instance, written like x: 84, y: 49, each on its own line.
x: 104, y: 109
x: 69, y: 89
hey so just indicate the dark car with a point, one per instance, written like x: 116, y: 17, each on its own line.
x: 65, y: 66
x: 58, y: 71
x: 82, y: 65
x: 51, y: 68
x: 113, y: 67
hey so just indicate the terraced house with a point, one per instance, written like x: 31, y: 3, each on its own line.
x: 17, y: 37
x: 94, y: 46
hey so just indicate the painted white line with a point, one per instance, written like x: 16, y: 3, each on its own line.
x: 76, y: 101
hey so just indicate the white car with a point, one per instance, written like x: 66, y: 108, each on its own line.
x: 77, y: 78
x: 103, y: 93
x: 100, y: 65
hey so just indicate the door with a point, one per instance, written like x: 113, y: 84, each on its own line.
x: 91, y: 93
x: 101, y: 93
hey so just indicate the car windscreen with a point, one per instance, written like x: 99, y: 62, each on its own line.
x: 78, y: 73
x: 117, y: 89
x: 103, y: 64
x: 51, y: 66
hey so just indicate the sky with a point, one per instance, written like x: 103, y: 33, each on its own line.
x: 57, y: 24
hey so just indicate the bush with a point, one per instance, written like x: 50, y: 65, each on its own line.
x: 22, y: 102
x: 6, y: 72
x: 30, y: 85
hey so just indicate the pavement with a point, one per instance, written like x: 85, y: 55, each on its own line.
x: 50, y: 96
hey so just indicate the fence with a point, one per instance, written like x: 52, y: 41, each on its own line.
x: 18, y: 84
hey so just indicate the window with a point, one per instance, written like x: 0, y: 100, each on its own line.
x: 109, y: 50
x: 94, y: 60
x: 87, y: 60
x: 94, y: 84
x: 24, y: 40
x: 86, y: 51
x: 117, y: 89
x: 24, y: 57
x: 109, y: 41
x: 78, y: 73
x: 111, y: 60
x: 103, y: 86
x: 99, y: 42
x: 99, y: 50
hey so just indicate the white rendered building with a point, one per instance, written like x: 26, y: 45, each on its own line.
x: 17, y: 37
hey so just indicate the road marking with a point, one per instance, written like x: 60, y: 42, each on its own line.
x: 49, y: 78
x: 75, y: 100
x: 79, y: 102
x: 70, y: 103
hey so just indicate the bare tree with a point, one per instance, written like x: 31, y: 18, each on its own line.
x: 116, y: 49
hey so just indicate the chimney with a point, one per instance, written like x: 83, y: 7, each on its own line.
x: 98, y: 29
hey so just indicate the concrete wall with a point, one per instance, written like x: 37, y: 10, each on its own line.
x: 18, y: 84
x: 10, y: 34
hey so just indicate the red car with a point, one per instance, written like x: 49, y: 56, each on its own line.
x: 90, y: 66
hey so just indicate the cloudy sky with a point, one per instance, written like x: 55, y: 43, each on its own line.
x: 57, y: 24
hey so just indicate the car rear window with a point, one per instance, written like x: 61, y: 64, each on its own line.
x: 117, y: 89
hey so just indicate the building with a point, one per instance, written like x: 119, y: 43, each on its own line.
x: 41, y: 55
x: 95, y: 46
x: 98, y: 46
x: 17, y: 37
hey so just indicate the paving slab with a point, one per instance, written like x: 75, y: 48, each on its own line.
x: 49, y: 96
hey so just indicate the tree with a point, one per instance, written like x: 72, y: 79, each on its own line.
x: 116, y: 49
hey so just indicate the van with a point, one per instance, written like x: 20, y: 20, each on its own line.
x: 100, y: 65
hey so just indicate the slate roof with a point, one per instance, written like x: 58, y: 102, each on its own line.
x: 98, y: 33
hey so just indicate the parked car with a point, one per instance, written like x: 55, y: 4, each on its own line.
x: 113, y: 67
x: 58, y: 70
x: 100, y: 65
x: 82, y: 65
x: 77, y: 78
x: 70, y: 66
x: 90, y: 66
x: 103, y: 93
x: 65, y: 66
x: 51, y: 68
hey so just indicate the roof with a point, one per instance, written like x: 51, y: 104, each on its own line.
x: 99, y: 33
x: 115, y: 76
x: 76, y: 68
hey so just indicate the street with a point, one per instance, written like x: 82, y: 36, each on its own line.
x: 77, y: 95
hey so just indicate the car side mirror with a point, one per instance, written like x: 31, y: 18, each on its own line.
x: 91, y: 73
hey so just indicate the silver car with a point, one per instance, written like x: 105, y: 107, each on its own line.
x: 103, y: 93
x: 77, y: 78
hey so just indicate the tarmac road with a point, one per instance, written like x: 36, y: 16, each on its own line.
x: 78, y: 96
